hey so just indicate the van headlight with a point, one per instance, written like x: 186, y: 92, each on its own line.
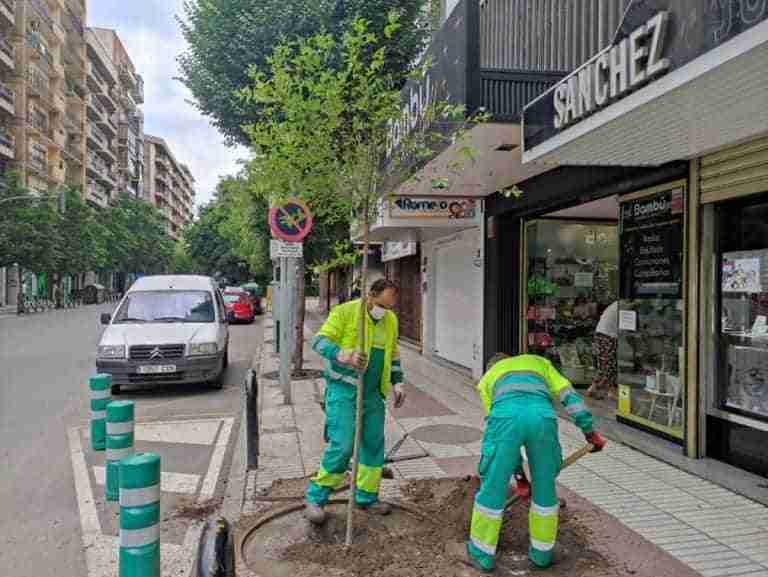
x: 202, y: 349
x: 111, y: 352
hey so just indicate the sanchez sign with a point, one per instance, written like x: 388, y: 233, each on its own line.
x: 613, y: 73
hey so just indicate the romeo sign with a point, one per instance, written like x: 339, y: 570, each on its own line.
x: 427, y: 207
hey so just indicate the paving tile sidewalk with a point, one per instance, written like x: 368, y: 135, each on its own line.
x: 709, y: 528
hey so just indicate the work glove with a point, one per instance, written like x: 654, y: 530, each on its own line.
x: 399, y: 395
x: 596, y: 440
x: 522, y: 486
x: 352, y: 359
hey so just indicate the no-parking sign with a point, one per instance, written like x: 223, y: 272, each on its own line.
x: 291, y: 220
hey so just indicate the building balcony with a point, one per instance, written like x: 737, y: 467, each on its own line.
x: 38, y: 85
x: 96, y: 81
x: 73, y: 150
x: 57, y: 172
x: 38, y: 122
x: 57, y: 69
x: 96, y: 137
x: 7, y: 144
x: 7, y: 99
x: 74, y: 88
x: 96, y: 194
x: 7, y: 53
x: 108, y: 101
x: 95, y: 108
x: 59, y: 137
x: 8, y: 11
x: 74, y: 21
x: 59, y: 102
x: 59, y: 34
x: 107, y: 123
x: 73, y: 124
x: 38, y: 165
x: 39, y: 51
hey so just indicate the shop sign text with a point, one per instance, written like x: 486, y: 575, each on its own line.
x: 450, y: 208
x: 613, y: 73
x: 394, y: 250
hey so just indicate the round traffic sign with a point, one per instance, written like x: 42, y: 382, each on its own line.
x: 291, y: 220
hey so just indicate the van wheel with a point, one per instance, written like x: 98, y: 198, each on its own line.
x: 115, y: 390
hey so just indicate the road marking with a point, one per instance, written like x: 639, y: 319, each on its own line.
x: 169, y: 482
x: 101, y: 551
x: 217, y: 459
x: 200, y: 432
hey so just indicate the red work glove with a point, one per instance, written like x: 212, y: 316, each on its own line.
x: 522, y: 486
x: 596, y: 440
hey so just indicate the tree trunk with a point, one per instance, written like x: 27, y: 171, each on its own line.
x: 301, y: 311
x: 359, y: 404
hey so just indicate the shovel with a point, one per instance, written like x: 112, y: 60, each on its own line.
x: 569, y: 460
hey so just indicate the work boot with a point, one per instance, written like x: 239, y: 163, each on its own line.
x: 378, y: 508
x: 314, y: 513
x: 458, y: 552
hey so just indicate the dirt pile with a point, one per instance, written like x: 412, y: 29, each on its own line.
x: 407, y: 545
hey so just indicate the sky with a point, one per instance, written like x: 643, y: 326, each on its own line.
x: 151, y: 35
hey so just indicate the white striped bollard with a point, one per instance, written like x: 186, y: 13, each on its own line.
x: 119, y: 443
x: 100, y: 389
x: 140, y: 515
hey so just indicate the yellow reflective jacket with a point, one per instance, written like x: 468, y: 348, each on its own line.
x: 341, y: 328
x: 537, y: 375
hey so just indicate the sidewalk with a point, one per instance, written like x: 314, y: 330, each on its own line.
x: 714, y: 531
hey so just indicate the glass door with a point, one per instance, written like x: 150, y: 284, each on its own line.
x: 571, y: 277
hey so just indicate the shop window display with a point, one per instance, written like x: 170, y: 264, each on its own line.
x: 651, y: 324
x: 572, y: 278
x: 743, y: 333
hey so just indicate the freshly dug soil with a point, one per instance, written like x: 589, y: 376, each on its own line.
x: 404, y: 545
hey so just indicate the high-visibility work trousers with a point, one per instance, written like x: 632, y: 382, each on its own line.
x: 340, y: 399
x: 532, y: 424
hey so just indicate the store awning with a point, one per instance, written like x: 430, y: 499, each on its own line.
x: 442, y: 199
x: 697, y: 99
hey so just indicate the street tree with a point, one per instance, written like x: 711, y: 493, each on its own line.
x: 325, y: 134
x: 225, y: 38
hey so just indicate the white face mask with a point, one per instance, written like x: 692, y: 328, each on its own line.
x: 377, y: 312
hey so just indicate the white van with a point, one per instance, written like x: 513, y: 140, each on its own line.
x: 166, y: 329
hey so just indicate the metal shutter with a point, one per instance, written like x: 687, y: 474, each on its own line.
x: 734, y: 172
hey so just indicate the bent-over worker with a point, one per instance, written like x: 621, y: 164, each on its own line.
x: 517, y: 394
x: 338, y: 342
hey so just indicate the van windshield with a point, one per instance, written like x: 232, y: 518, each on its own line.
x: 166, y: 307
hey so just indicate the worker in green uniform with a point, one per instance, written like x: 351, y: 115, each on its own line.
x: 517, y: 394
x: 338, y: 342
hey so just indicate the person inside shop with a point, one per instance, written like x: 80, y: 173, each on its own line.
x: 604, y: 347
x: 338, y: 342
x: 517, y: 394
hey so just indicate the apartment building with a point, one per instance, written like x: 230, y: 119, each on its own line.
x: 42, y: 78
x: 168, y: 184
x: 127, y: 94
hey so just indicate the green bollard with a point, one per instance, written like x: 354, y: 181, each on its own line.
x: 100, y: 386
x: 140, y: 516
x: 119, y: 443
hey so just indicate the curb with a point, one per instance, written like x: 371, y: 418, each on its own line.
x: 213, y: 553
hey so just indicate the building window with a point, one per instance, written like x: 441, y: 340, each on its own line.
x: 742, y: 384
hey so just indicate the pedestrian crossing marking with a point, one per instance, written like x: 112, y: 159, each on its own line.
x: 169, y: 482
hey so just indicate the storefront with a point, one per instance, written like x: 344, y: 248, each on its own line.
x: 692, y: 342
x: 402, y: 265
x: 734, y: 305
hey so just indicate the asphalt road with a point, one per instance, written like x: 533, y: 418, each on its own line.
x: 45, y: 361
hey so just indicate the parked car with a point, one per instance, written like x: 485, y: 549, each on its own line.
x: 254, y: 290
x: 239, y: 306
x: 166, y: 329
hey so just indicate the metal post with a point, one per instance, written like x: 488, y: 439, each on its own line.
x: 286, y: 304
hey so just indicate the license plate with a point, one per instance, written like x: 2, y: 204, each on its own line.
x: 156, y: 369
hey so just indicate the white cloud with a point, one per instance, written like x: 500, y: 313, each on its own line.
x: 153, y: 39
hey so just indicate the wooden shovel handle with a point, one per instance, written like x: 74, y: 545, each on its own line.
x: 576, y: 455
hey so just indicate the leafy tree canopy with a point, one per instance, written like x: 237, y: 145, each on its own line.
x: 225, y: 38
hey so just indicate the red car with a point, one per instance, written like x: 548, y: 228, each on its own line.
x: 239, y: 306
